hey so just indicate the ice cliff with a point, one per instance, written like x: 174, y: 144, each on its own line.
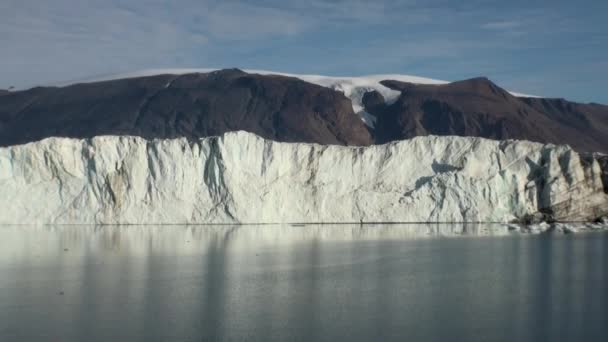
x: 242, y: 178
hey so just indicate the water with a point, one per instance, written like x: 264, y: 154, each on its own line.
x: 332, y: 283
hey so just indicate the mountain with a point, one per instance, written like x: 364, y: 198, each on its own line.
x: 241, y: 178
x: 295, y: 108
x: 193, y: 105
x: 478, y: 107
x: 583, y: 116
x: 3, y: 92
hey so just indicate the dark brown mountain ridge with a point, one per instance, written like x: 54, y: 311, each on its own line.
x: 288, y: 109
x: 192, y: 106
x: 478, y: 107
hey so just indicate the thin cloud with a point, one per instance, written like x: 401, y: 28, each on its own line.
x: 502, y: 25
x: 238, y: 21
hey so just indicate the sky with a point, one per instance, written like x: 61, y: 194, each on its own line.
x: 550, y: 48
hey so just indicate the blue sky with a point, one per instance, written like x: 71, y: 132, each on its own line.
x: 551, y: 48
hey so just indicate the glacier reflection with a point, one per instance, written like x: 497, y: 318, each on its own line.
x: 370, y: 282
x: 183, y: 238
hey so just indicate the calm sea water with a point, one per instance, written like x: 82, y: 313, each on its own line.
x: 283, y: 283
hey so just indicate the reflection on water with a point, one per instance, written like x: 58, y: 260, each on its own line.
x: 371, y: 282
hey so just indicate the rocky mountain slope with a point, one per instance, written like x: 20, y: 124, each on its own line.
x: 296, y: 108
x: 193, y: 105
x: 478, y: 107
x: 242, y: 178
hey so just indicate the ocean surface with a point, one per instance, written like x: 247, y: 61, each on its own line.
x: 301, y: 283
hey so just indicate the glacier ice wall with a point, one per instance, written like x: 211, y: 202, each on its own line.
x: 242, y: 178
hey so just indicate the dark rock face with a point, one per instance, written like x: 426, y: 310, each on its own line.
x: 478, y: 107
x: 3, y: 92
x: 192, y: 106
x: 587, y: 118
x: 603, y: 161
x: 373, y: 100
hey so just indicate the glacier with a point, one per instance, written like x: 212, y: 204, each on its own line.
x: 241, y: 178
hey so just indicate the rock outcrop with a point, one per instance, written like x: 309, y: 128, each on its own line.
x: 242, y: 178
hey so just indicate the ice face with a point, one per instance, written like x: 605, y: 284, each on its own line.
x: 242, y: 178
